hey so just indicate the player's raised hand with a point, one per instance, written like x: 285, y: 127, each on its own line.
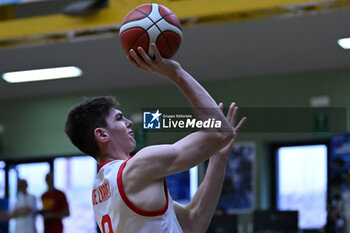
x: 232, y: 118
x: 157, y: 65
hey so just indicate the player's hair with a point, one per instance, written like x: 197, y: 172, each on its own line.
x: 84, y: 118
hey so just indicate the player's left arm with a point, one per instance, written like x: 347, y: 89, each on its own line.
x: 196, y: 216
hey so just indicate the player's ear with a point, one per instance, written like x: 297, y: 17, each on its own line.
x: 101, y: 135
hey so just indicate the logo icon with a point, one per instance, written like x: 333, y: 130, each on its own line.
x: 151, y: 120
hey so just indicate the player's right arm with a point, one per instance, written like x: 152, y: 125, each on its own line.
x: 156, y: 162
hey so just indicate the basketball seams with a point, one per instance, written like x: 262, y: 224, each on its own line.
x: 171, y: 27
x: 142, y: 12
x: 143, y: 23
x: 164, y: 17
x: 167, y: 42
x: 156, y: 23
x: 138, y: 37
x: 167, y: 20
x: 171, y: 22
x: 162, y: 32
x: 166, y: 39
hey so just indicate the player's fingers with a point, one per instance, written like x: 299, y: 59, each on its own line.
x: 139, y: 61
x: 135, y: 57
x: 234, y: 115
x: 221, y: 106
x: 230, y: 112
x: 145, y: 56
x: 132, y: 61
x: 157, y: 55
x: 240, y: 124
x: 230, y: 144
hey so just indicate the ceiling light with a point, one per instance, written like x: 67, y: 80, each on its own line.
x: 42, y: 74
x: 344, y: 43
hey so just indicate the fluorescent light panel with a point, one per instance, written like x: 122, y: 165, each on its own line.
x: 42, y: 74
x: 344, y: 43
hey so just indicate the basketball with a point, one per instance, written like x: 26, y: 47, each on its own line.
x: 151, y: 23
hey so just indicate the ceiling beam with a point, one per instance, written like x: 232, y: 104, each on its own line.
x: 14, y: 31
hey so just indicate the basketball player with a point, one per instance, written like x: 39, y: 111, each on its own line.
x: 130, y: 193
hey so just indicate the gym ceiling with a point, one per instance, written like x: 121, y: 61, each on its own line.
x: 222, y: 39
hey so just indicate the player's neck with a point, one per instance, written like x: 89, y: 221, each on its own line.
x: 109, y: 157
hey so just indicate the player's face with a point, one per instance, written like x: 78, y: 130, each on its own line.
x: 119, y: 129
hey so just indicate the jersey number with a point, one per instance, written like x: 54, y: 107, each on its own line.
x: 106, y: 219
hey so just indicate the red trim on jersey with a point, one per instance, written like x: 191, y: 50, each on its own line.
x: 102, y: 164
x: 131, y: 205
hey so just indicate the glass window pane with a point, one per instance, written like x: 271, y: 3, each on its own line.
x: 2, y: 179
x: 183, y: 186
x: 75, y: 177
x: 302, y: 183
x: 34, y: 174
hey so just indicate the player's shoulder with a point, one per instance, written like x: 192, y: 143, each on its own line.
x: 108, y: 171
x: 109, y: 165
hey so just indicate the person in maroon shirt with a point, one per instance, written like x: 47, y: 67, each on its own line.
x: 55, y: 207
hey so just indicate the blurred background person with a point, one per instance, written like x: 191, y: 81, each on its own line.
x: 24, y: 210
x: 55, y: 207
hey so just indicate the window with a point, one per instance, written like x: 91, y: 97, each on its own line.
x: 302, y: 183
x: 182, y: 186
x: 34, y: 174
x: 2, y: 179
x: 75, y: 176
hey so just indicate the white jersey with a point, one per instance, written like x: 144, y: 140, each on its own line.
x: 115, y: 213
x: 25, y: 223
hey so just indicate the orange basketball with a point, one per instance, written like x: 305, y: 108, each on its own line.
x: 151, y: 23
